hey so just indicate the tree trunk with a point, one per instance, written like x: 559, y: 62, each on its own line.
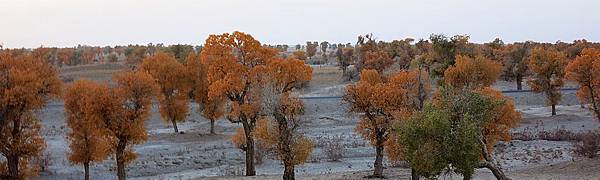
x: 120, y: 156
x: 378, y: 172
x: 519, y: 83
x: 495, y: 170
x: 86, y: 169
x: 288, y: 173
x: 595, y: 107
x: 413, y: 174
x: 553, y: 109
x: 13, y: 159
x: 13, y: 166
x: 487, y: 161
x: 175, y: 126
x: 284, y: 146
x: 212, y: 126
x: 250, y: 155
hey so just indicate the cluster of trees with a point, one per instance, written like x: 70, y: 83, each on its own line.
x: 234, y: 76
x: 541, y: 65
x: 455, y: 129
x: 257, y: 85
x: 83, y: 54
x: 438, y: 52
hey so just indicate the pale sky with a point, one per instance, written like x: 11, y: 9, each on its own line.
x: 31, y: 23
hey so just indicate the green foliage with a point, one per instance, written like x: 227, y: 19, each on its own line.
x: 447, y: 133
x: 444, y: 50
x: 180, y: 51
x: 424, y: 141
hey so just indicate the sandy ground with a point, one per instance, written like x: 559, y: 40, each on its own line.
x: 198, y: 155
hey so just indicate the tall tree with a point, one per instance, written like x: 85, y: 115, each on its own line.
x: 126, y: 107
x: 26, y: 85
x: 382, y: 103
x: 311, y: 49
x: 344, y: 58
x: 476, y: 75
x: 284, y: 109
x: 452, y: 130
x: 585, y: 70
x: 515, y: 63
x: 87, y: 138
x: 324, y: 45
x: 232, y: 61
x: 212, y: 109
x: 548, y: 67
x: 171, y: 77
x: 475, y: 72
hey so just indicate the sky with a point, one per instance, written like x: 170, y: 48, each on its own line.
x: 62, y: 23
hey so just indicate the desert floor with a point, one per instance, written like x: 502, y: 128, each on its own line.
x: 196, y: 154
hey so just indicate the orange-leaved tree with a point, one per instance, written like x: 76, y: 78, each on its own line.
x: 172, y: 78
x: 311, y: 49
x: 515, y: 63
x: 212, y: 109
x: 417, y: 88
x: 231, y: 59
x: 87, y: 138
x: 378, y: 60
x: 26, y: 84
x: 470, y: 72
x: 283, y: 110
x: 507, y: 117
x: 299, y: 55
x: 383, y: 102
x: 585, y: 70
x: 548, y: 67
x: 126, y: 109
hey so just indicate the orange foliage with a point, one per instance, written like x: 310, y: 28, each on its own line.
x: 499, y: 128
x: 212, y: 109
x: 301, y: 55
x: 126, y: 107
x: 384, y: 102
x: 26, y: 85
x: 417, y: 87
x: 585, y: 70
x: 288, y: 73
x: 472, y: 72
x: 65, y: 56
x: 172, y: 78
x: 233, y: 60
x: 88, y: 141
x: 548, y: 67
x: 378, y: 60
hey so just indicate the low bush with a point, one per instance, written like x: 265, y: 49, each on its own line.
x: 333, y: 147
x: 589, y: 145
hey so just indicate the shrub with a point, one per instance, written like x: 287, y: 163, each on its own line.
x: 560, y: 134
x: 589, y: 145
x: 334, y: 148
